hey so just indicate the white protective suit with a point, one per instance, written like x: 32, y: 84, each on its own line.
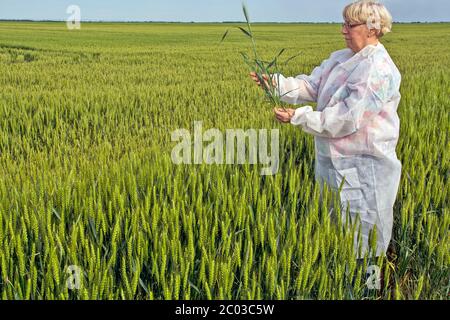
x: 356, y: 129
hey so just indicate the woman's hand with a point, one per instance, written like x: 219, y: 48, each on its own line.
x: 265, y: 77
x: 284, y: 115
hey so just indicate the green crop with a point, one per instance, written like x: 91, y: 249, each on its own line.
x: 261, y: 67
x: 86, y: 177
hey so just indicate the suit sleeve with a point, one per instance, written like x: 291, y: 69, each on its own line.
x: 368, y: 87
x: 302, y: 88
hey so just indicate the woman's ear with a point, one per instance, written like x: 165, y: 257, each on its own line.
x: 373, y: 32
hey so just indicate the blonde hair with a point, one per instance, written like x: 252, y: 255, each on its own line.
x: 373, y: 13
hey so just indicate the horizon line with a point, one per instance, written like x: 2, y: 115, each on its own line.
x: 202, y: 22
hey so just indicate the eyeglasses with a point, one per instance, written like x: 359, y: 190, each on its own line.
x: 351, y: 26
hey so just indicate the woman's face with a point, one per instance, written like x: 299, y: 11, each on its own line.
x: 357, y: 36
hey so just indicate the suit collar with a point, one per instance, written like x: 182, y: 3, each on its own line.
x: 366, y: 52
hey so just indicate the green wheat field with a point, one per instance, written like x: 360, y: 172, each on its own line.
x: 87, y: 180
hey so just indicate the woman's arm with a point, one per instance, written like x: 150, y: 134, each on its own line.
x: 369, y: 90
x: 302, y: 88
x: 298, y: 90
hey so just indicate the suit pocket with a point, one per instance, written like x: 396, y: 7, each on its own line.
x: 351, y: 192
x: 349, y: 177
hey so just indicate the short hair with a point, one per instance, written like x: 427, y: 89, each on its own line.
x: 373, y: 13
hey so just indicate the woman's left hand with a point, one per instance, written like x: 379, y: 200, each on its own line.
x: 284, y: 115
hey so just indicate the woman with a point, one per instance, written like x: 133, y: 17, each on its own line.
x: 355, y: 126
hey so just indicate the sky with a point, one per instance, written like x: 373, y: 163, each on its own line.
x: 215, y: 10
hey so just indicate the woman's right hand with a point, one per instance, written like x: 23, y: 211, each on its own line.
x: 265, y: 77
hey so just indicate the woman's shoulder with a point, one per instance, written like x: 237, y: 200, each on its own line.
x: 383, y: 63
x: 341, y: 55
